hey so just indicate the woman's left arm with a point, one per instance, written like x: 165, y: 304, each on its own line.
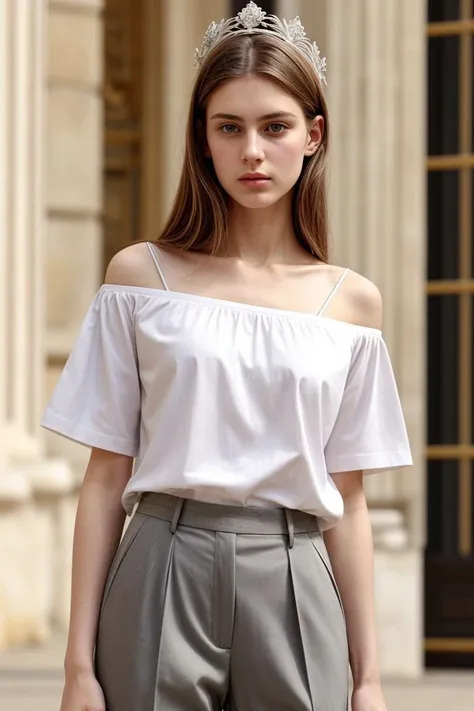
x: 350, y: 550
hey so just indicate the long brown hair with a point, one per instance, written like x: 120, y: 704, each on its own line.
x: 198, y: 218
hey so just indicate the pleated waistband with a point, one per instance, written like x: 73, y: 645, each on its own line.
x: 224, y: 518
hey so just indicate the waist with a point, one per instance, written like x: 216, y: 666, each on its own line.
x: 225, y: 518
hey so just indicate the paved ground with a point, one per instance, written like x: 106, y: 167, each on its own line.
x: 31, y: 681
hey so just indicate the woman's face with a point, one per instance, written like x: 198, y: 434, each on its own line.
x: 254, y: 127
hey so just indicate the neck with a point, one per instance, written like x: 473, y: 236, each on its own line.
x: 263, y: 236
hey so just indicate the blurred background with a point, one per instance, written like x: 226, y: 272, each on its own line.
x: 93, y: 98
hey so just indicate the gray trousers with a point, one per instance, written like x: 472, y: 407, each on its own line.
x: 211, y: 607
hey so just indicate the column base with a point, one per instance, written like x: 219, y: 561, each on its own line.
x: 36, y: 517
x: 399, y: 612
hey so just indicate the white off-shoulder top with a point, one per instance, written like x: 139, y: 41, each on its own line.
x: 227, y: 402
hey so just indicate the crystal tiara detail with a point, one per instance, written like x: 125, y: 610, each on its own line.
x: 253, y: 19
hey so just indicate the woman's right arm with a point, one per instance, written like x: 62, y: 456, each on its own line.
x: 99, y: 524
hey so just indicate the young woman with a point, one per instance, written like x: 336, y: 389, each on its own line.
x: 247, y: 379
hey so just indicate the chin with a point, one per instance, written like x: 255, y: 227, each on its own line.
x: 259, y: 200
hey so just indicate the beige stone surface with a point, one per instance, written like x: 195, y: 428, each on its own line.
x: 77, y: 4
x: 399, y: 612
x: 437, y: 692
x: 411, y: 244
x: 74, y: 151
x: 25, y: 566
x: 35, y: 558
x: 75, y: 48
x: 73, y: 270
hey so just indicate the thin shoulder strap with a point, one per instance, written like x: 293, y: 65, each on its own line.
x: 154, y: 255
x: 332, y: 293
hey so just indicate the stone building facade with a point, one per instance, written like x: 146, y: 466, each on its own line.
x: 62, y: 201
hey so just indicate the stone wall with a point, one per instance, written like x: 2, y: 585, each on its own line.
x: 73, y: 246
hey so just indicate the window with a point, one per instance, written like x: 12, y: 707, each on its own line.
x: 450, y: 293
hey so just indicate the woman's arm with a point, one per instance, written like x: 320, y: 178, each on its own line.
x: 99, y: 524
x: 350, y: 549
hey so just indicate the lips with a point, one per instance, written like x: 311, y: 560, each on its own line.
x: 248, y: 177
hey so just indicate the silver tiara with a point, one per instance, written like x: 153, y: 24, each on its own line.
x: 253, y: 19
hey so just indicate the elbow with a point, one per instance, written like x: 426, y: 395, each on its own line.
x: 109, y: 470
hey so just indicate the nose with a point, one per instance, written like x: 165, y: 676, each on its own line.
x: 252, y: 151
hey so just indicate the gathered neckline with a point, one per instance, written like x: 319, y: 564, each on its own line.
x: 235, y: 305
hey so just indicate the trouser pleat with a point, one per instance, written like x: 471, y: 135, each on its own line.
x: 192, y: 669
x: 131, y: 620
x: 223, y: 605
x: 322, y: 627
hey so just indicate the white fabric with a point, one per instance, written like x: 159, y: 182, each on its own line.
x: 227, y: 402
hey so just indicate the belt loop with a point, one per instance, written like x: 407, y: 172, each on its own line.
x: 176, y: 515
x: 291, y: 528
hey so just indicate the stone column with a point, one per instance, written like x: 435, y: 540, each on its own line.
x: 376, y: 90
x: 74, y: 206
x: 27, y: 480
x: 19, y: 352
x: 22, y: 230
x: 74, y: 177
x: 4, y: 199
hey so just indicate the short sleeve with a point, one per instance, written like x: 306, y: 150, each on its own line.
x: 97, y: 399
x: 369, y: 432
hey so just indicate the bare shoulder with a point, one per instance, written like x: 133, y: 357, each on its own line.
x: 363, y: 301
x: 133, y: 266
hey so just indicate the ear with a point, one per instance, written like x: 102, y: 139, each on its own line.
x: 315, y: 136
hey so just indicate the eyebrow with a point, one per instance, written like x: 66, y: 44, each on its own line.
x: 265, y: 117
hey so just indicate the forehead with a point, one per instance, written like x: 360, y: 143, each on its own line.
x: 251, y: 96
